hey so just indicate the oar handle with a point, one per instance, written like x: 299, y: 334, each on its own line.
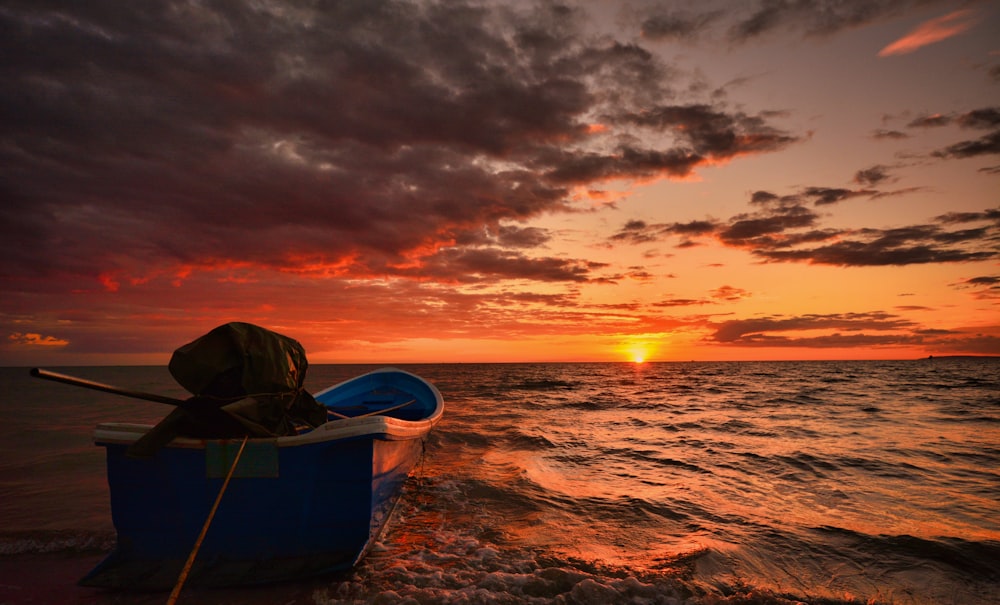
x: 107, y: 388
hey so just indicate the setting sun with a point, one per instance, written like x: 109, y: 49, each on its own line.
x: 639, y: 355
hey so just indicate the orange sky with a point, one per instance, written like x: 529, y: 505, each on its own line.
x: 441, y: 182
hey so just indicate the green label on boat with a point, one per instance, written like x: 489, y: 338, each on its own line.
x: 258, y: 459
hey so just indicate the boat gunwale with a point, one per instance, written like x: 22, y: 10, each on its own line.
x: 375, y: 426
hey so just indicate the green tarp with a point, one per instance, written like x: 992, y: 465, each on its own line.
x: 245, y: 380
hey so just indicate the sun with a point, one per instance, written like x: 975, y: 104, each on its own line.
x: 639, y: 350
x: 638, y: 354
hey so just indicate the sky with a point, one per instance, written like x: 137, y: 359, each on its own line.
x: 408, y: 182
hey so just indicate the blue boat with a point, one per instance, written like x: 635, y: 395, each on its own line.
x: 296, y: 506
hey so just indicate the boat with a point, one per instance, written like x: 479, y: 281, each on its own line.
x: 297, y: 506
x: 253, y: 505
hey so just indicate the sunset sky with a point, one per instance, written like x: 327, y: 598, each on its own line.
x: 396, y: 182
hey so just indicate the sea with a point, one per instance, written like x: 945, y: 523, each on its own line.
x: 828, y: 482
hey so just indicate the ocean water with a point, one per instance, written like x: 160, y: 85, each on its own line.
x: 696, y: 483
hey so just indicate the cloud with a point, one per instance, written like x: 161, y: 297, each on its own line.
x: 730, y: 294
x: 980, y: 119
x: 984, y: 287
x: 677, y: 25
x: 712, y: 133
x: 31, y: 339
x: 871, y: 176
x: 987, y: 117
x: 746, y: 229
x: 883, y: 134
x: 489, y: 264
x: 749, y: 21
x: 986, y: 145
x: 822, y: 196
x: 918, y: 244
x: 371, y: 172
x: 682, y: 302
x: 720, y: 295
x: 930, y: 32
x: 342, y: 139
x: 930, y: 121
x: 640, y: 232
x: 784, y: 229
x: 761, y: 331
x: 814, y: 18
x: 986, y: 280
x: 850, y: 330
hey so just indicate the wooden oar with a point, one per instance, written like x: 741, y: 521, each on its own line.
x: 207, y: 414
x: 107, y: 388
x: 374, y: 413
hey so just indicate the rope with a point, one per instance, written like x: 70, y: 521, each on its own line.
x: 204, y: 528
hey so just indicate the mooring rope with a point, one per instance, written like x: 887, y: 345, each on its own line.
x: 204, y: 529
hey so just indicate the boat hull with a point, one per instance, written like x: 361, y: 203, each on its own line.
x: 296, y: 507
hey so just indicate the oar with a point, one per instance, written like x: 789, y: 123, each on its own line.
x: 375, y: 413
x: 107, y: 388
x: 219, y: 420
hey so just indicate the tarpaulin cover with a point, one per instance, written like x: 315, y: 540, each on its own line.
x: 246, y: 380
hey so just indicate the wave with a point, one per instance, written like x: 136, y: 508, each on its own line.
x: 55, y: 541
x: 977, y: 559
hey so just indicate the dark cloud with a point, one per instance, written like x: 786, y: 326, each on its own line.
x: 760, y: 331
x: 505, y: 236
x: 158, y: 137
x: 871, y: 176
x: 748, y: 21
x: 848, y: 330
x: 710, y: 132
x: 819, y: 196
x: 985, y: 118
x: 930, y: 121
x: 814, y: 17
x: 580, y: 168
x: 969, y: 343
x: 469, y: 265
x: 786, y: 230
x: 682, y: 302
x: 979, y: 119
x: 889, y: 134
x: 640, y: 232
x: 955, y: 218
x: 729, y: 293
x: 986, y: 280
x: 984, y: 287
x: 822, y: 196
x: 763, y: 197
x: 919, y: 244
x: 748, y: 229
x: 673, y: 25
x: 986, y: 145
x: 720, y: 295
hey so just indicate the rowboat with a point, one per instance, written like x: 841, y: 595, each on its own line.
x: 296, y: 506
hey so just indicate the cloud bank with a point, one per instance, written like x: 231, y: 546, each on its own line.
x: 363, y: 137
x: 166, y: 163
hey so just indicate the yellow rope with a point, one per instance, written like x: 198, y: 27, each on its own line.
x: 204, y: 529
